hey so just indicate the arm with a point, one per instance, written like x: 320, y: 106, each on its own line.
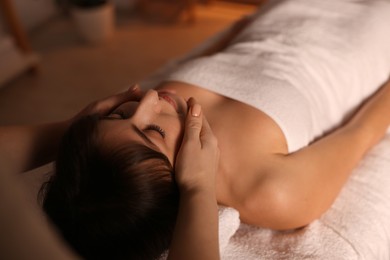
x: 301, y: 186
x: 196, y: 231
x: 25, y: 234
x: 25, y: 147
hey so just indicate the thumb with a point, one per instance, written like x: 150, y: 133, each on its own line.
x: 194, y: 122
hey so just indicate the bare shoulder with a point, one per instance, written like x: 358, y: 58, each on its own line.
x: 250, y: 143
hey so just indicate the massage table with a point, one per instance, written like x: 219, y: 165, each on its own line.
x: 357, y: 226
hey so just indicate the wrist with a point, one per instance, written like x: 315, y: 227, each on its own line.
x: 196, y: 186
x: 198, y: 192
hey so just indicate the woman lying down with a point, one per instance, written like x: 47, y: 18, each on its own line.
x: 294, y: 101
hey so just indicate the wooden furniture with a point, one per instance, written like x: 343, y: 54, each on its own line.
x: 168, y: 10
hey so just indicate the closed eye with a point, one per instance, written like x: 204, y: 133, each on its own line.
x: 156, y: 128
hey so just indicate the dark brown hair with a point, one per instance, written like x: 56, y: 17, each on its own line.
x: 117, y: 204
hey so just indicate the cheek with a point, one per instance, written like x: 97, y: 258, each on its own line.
x: 172, y: 125
x: 177, y: 132
x: 174, y: 128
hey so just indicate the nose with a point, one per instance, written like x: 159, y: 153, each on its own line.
x: 149, y: 104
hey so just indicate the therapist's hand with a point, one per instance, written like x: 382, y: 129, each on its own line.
x: 106, y: 105
x: 198, y: 157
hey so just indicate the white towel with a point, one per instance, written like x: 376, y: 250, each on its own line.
x: 305, y: 63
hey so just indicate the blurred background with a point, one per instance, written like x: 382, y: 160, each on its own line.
x: 56, y: 56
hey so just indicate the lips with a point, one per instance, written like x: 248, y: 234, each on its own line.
x: 168, y: 99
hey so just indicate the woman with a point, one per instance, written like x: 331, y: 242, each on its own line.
x: 265, y: 100
x: 25, y: 233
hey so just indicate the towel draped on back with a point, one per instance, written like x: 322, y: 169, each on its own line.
x: 307, y: 64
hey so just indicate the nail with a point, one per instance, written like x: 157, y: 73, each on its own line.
x: 195, y: 110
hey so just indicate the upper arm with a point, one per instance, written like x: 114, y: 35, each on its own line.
x: 293, y: 190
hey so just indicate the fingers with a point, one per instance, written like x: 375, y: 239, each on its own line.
x: 106, y: 105
x: 207, y: 135
x: 198, y: 157
x: 195, y: 108
x: 197, y: 126
x: 194, y: 121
